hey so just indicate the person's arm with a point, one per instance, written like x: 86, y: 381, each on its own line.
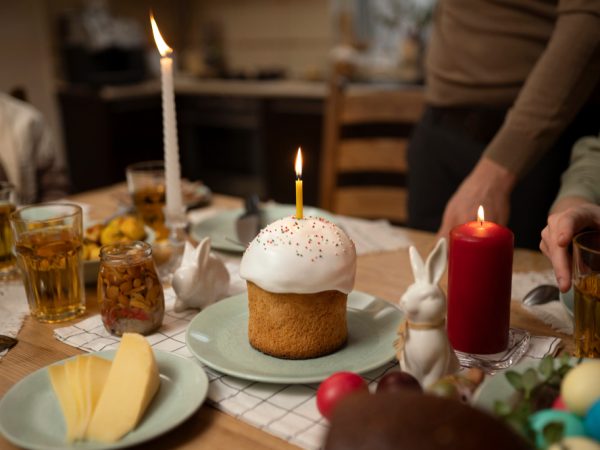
x: 582, y: 179
x: 50, y: 166
x: 559, y: 232
x: 555, y: 90
x: 576, y: 207
x: 489, y: 184
x: 560, y: 82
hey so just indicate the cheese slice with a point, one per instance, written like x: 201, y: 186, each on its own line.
x: 66, y: 398
x: 96, y: 373
x: 81, y: 387
x: 93, y: 372
x: 132, y: 382
x: 74, y: 379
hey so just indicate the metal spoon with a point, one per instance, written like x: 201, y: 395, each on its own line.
x: 541, y: 294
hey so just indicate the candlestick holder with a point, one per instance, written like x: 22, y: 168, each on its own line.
x: 518, y: 343
x: 168, y: 253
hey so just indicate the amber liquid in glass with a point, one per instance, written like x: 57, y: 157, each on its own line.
x: 52, y: 261
x: 149, y: 203
x: 7, y: 257
x: 587, y: 317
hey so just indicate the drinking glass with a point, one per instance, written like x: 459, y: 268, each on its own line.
x: 146, y: 185
x: 586, y: 282
x: 49, y: 249
x: 8, y: 266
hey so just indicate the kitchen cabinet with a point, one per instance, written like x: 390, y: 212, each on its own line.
x: 238, y: 137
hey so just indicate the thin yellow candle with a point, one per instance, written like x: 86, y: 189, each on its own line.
x: 299, y: 214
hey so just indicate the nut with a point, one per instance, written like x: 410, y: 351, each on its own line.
x: 127, y: 287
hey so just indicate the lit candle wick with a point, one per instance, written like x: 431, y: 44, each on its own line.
x: 480, y: 215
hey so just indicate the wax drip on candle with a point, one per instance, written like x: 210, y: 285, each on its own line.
x: 480, y: 215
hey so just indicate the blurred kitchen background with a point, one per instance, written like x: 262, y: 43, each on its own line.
x: 251, y: 82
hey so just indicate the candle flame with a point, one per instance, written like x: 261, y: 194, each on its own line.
x: 162, y: 46
x: 480, y: 215
x: 299, y: 164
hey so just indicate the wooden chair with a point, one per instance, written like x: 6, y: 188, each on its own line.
x: 363, y: 166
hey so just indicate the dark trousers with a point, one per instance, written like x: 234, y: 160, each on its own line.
x: 447, y: 144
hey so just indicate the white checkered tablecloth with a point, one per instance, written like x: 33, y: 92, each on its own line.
x: 287, y: 411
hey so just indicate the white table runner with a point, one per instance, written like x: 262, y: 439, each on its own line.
x: 369, y: 236
x: 13, y: 308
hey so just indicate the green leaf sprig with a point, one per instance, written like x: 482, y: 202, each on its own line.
x: 535, y: 389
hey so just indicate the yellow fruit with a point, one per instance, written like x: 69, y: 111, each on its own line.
x: 93, y: 233
x: 111, y: 234
x: 94, y: 251
x: 133, y: 228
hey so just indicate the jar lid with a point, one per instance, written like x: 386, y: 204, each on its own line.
x: 125, y: 252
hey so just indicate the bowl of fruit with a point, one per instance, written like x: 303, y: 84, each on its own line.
x: 122, y: 228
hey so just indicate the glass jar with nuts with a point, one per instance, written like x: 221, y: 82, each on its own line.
x: 130, y: 295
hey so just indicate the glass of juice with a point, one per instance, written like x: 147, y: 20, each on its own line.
x: 8, y: 268
x: 586, y: 282
x: 49, y: 249
x: 146, y: 185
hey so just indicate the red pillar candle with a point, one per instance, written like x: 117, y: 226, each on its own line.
x: 479, y: 286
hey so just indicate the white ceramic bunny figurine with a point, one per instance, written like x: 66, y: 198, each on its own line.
x: 202, y: 278
x: 423, y: 348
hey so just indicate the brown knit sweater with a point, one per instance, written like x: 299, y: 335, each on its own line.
x: 541, y: 58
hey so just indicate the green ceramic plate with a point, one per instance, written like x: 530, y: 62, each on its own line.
x: 567, y: 301
x: 221, y: 227
x: 30, y: 416
x: 218, y: 336
x: 497, y: 387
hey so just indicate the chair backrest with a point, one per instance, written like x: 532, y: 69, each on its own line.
x: 363, y: 166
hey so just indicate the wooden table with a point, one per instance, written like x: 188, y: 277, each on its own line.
x: 386, y: 275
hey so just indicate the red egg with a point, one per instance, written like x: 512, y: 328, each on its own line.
x: 559, y: 404
x: 335, y: 388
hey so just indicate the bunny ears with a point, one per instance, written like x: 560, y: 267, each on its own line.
x: 431, y: 272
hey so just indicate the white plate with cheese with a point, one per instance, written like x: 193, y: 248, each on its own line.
x: 31, y: 417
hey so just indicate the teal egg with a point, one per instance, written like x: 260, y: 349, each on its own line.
x: 592, y: 421
x: 573, y: 425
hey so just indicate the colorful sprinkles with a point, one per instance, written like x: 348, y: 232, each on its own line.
x: 291, y: 232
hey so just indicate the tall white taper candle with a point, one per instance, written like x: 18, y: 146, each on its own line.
x: 174, y: 205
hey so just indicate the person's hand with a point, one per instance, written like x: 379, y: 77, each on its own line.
x: 570, y: 216
x: 490, y: 185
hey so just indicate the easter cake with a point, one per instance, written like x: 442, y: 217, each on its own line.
x: 411, y: 420
x: 299, y: 273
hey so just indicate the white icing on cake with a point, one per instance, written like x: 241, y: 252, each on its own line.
x: 300, y: 256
